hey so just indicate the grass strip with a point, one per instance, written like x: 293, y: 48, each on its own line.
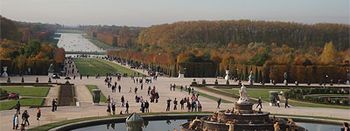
x: 102, y: 97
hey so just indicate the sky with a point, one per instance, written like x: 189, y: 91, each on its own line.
x: 152, y: 12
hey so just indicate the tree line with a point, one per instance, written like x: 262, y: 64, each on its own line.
x: 29, y: 47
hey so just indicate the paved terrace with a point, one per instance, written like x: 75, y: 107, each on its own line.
x: 86, y: 108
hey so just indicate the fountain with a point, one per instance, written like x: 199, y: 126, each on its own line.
x: 241, y: 118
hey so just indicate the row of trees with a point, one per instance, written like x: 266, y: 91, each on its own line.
x: 266, y: 61
x: 119, y: 36
x: 28, y: 47
x: 244, y: 31
x: 267, y: 48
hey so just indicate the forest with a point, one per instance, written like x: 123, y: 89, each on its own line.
x: 267, y: 48
x: 29, y: 48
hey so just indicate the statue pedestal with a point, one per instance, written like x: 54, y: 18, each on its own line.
x: 181, y: 75
x: 285, y: 82
x: 251, y: 82
x: 4, y: 74
x: 244, y: 108
x: 50, y: 74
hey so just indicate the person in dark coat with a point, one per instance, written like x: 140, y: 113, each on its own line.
x: 25, y: 117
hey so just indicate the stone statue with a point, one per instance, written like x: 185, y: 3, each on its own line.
x: 250, y: 78
x: 50, y: 70
x: 227, y: 76
x: 285, y: 76
x: 4, y: 74
x: 243, y: 95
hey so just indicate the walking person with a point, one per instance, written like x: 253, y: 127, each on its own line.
x: 259, y: 103
x: 149, y: 90
x: 199, y: 105
x: 182, y: 102
x: 286, y: 105
x: 193, y: 106
x: 135, y: 90
x: 147, y: 106
x: 18, y: 107
x: 142, y: 107
x: 127, y: 107
x: 122, y: 100
x: 53, y: 103
x: 168, y: 105
x: 175, y: 104
x: 56, y: 104
x: 113, y: 108
x: 108, y: 109
x: 119, y: 88
x: 188, y: 104
x: 38, y: 114
x: 157, y: 97
x: 15, y: 121
x: 25, y: 117
x: 219, y: 102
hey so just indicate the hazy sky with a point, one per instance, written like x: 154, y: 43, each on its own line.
x: 151, y: 12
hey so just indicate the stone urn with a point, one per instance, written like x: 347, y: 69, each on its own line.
x: 96, y: 94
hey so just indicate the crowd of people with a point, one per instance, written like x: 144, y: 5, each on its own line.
x: 140, y: 82
x: 25, y: 117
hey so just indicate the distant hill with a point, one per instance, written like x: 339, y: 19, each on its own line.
x: 244, y: 32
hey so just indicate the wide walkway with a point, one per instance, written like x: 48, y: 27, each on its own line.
x: 87, y: 109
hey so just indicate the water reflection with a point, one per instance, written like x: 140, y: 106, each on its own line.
x: 171, y: 125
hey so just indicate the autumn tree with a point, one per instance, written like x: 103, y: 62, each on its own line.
x: 328, y: 54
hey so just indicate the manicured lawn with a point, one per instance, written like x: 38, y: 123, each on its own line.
x: 255, y: 93
x: 30, y: 96
x: 212, y: 97
x: 9, y: 104
x: 309, y: 104
x: 91, y: 87
x: 27, y: 91
x: 93, y: 66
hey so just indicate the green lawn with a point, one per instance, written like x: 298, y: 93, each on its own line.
x: 27, y: 91
x: 9, y: 104
x: 212, y: 97
x: 93, y: 66
x: 91, y: 87
x: 255, y: 93
x: 30, y: 96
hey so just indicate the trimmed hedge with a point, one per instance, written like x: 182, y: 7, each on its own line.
x: 305, y: 94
